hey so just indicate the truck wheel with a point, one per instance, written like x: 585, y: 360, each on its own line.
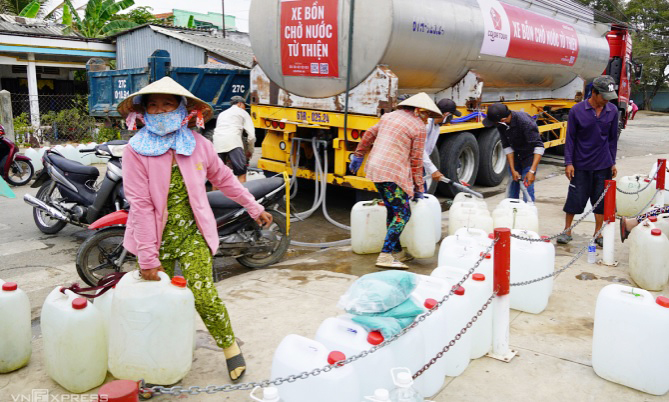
x: 492, y: 164
x: 431, y: 184
x: 459, y: 161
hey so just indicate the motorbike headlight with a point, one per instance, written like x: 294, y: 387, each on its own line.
x: 117, y: 150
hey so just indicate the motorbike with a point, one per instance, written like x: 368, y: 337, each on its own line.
x: 16, y: 169
x: 240, y: 236
x: 69, y: 191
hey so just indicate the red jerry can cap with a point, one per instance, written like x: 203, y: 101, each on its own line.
x: 460, y: 291
x: 79, y: 303
x: 546, y: 239
x: 487, y: 255
x: 491, y: 235
x: 119, y: 391
x: 662, y: 301
x: 336, y: 356
x: 179, y: 281
x: 430, y: 303
x: 478, y: 277
x: 375, y: 338
x: 9, y: 286
x: 653, y: 219
x: 656, y: 232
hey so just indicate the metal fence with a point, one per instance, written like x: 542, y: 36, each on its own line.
x: 63, y: 118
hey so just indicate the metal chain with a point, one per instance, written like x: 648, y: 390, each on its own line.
x: 456, y: 338
x: 642, y: 209
x: 569, y: 264
x: 211, y: 389
x: 578, y: 221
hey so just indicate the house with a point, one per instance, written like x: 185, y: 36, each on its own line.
x: 202, y: 20
x: 187, y: 47
x: 38, y: 61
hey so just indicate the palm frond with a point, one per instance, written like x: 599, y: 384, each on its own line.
x: 31, y: 10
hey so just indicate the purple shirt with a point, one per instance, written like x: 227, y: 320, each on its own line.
x: 591, y: 141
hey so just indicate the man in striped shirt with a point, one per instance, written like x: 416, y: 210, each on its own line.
x: 395, y: 165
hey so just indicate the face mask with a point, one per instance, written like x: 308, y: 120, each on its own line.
x: 166, y: 123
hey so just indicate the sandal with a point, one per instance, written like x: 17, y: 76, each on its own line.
x: 564, y: 238
x: 234, y: 363
x: 388, y: 261
x: 624, y: 233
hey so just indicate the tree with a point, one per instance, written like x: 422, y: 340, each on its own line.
x: 98, y: 20
x: 651, y: 44
x: 613, y: 8
x: 140, y: 16
x: 24, y: 8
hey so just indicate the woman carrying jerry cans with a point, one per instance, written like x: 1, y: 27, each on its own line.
x: 165, y: 168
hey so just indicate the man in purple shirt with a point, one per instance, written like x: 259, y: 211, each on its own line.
x: 590, y: 152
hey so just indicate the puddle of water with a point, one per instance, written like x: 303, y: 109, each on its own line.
x: 615, y: 279
x: 586, y: 276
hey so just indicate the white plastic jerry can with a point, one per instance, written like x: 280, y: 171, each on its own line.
x: 454, y: 316
x: 662, y: 222
x: 418, y: 235
x: 480, y: 288
x: 631, y: 204
x: 531, y: 260
x: 474, y: 218
x: 629, y: 343
x: 35, y: 158
x: 151, y: 329
x: 380, y: 395
x: 104, y: 305
x: 75, y: 349
x: 368, y: 227
x: 15, y: 333
x: 342, y: 334
x: 649, y: 257
x: 460, y: 246
x: 435, y: 207
x: 297, y: 354
x: 431, y: 290
x: 516, y: 214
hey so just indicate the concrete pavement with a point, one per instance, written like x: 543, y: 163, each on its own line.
x: 296, y: 295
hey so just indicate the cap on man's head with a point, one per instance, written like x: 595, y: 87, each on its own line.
x: 606, y: 86
x: 448, y: 106
x: 496, y: 112
x: 237, y: 99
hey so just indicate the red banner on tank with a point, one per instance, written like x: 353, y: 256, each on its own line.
x: 538, y: 38
x: 309, y: 38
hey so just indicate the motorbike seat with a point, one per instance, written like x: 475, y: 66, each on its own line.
x: 258, y: 188
x: 69, y: 166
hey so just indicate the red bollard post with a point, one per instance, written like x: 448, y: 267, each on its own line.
x: 609, y: 233
x: 502, y: 303
x: 119, y: 391
x: 660, y: 180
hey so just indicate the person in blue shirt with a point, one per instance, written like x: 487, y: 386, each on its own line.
x: 590, y: 152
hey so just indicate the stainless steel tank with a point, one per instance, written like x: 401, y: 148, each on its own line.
x: 432, y: 59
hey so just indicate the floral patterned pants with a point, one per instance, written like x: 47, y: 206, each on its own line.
x: 399, y: 213
x: 183, y: 242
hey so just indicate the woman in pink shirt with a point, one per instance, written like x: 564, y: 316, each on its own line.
x: 165, y: 169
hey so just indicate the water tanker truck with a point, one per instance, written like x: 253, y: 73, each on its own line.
x: 321, y: 78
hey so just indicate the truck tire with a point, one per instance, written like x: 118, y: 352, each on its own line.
x: 492, y: 161
x: 459, y: 161
x: 431, y: 184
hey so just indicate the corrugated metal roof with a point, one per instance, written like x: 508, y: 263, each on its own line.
x: 223, y: 47
x: 32, y: 27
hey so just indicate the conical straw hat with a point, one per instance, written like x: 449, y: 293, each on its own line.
x: 422, y: 101
x: 166, y: 85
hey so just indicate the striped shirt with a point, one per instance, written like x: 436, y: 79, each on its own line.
x: 397, y: 142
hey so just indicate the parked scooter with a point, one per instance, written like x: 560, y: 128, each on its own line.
x: 14, y: 168
x: 70, y: 193
x: 239, y: 235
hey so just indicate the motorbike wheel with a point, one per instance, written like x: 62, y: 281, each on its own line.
x: 276, y: 233
x: 99, y: 254
x: 45, y: 223
x: 20, y: 173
